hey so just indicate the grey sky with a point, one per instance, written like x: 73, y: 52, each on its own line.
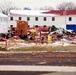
x: 39, y: 3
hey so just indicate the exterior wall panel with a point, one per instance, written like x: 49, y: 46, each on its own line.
x: 60, y: 21
x: 12, y: 23
x: 73, y: 19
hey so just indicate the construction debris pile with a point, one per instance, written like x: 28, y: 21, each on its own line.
x: 40, y: 36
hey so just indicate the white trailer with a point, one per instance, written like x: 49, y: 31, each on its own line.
x: 3, y: 28
x: 3, y: 23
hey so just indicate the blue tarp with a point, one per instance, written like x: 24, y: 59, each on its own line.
x: 71, y: 27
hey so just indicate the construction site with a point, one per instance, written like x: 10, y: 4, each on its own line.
x: 23, y: 35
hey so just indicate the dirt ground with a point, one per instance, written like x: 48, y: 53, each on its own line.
x: 38, y: 55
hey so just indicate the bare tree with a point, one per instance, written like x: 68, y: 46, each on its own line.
x: 6, y: 6
x: 66, y: 6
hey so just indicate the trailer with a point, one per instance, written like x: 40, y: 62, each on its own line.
x: 3, y: 28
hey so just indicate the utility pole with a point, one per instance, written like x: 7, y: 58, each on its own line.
x: 65, y: 13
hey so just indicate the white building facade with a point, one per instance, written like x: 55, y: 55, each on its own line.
x: 35, y: 17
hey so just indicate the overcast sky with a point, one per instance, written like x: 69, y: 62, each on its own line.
x: 38, y: 3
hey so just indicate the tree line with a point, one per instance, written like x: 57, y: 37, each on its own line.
x: 7, y: 5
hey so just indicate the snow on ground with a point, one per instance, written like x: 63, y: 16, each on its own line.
x: 21, y: 43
